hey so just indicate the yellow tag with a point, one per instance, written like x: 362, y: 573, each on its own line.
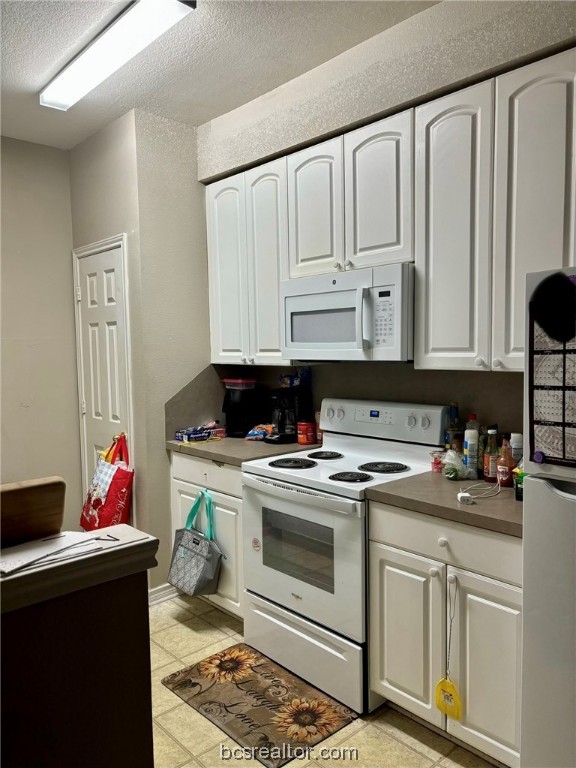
x: 448, y: 700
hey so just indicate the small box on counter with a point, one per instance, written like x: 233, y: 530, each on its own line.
x: 197, y: 434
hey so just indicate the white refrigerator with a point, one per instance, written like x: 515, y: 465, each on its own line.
x: 548, y: 715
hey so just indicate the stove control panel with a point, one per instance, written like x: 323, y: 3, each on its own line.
x: 410, y: 422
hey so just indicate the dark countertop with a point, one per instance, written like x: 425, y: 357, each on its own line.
x: 432, y: 494
x: 234, y: 450
x: 429, y: 493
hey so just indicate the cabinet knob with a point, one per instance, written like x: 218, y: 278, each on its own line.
x: 451, y: 578
x: 337, y: 265
x: 479, y: 362
x: 244, y: 361
x: 251, y: 360
x: 433, y: 572
x: 348, y: 263
x: 497, y: 363
x: 442, y: 542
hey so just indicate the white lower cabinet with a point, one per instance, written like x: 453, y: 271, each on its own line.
x: 413, y: 594
x: 227, y: 528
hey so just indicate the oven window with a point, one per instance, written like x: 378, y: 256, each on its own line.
x: 324, y: 326
x: 298, y: 548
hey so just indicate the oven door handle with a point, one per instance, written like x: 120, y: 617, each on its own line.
x: 304, y: 495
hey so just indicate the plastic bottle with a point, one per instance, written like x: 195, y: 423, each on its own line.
x: 490, y: 457
x: 504, y: 466
x: 472, y: 422
x: 516, y: 446
x: 471, y: 453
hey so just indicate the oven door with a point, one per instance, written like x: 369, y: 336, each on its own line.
x: 327, y: 317
x: 305, y: 551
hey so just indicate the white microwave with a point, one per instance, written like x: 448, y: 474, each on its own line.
x: 364, y: 314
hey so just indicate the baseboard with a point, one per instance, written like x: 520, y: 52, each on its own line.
x: 161, y: 593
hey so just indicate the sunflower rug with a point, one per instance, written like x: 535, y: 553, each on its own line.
x: 273, y: 715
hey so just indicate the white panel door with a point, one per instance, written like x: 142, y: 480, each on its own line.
x: 485, y: 663
x: 103, y: 350
x: 267, y: 252
x: 228, y: 270
x: 378, y: 192
x: 227, y: 532
x: 315, y: 209
x: 453, y: 230
x: 534, y: 190
x: 407, y: 620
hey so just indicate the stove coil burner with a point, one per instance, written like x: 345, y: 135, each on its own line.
x: 289, y: 463
x: 325, y: 455
x: 384, y: 467
x: 351, y: 477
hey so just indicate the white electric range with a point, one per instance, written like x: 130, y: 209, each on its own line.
x: 305, y: 532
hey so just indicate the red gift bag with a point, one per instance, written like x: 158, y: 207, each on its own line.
x: 108, y: 499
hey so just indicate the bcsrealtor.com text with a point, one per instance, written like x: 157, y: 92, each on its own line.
x: 287, y: 751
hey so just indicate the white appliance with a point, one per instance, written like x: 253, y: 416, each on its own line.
x: 364, y: 314
x: 548, y: 719
x: 305, y: 531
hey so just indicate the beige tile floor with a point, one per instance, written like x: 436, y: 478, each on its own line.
x: 185, y: 630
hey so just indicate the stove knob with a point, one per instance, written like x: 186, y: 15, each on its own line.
x: 340, y: 414
x: 411, y: 421
x: 424, y: 422
x: 330, y: 413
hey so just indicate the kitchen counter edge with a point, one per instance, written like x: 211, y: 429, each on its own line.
x: 234, y: 450
x: 431, y: 494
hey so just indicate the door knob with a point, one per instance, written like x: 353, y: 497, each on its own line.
x: 442, y: 542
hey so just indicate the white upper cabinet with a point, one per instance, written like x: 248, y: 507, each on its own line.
x: 228, y: 269
x: 247, y: 247
x: 378, y: 192
x: 534, y: 190
x: 453, y: 229
x: 316, y: 212
x: 267, y: 237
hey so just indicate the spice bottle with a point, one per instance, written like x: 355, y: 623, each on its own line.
x: 490, y: 457
x: 504, y: 466
x: 516, y: 446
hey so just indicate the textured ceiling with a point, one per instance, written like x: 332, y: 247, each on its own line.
x: 220, y: 56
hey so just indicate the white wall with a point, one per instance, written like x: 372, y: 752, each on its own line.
x: 434, y: 51
x: 138, y: 175
x: 40, y: 429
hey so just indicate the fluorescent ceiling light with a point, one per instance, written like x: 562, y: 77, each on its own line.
x: 141, y: 24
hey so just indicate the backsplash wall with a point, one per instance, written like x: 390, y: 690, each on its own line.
x: 496, y: 398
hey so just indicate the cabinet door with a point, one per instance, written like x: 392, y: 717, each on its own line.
x: 227, y: 532
x: 534, y: 191
x: 378, y: 193
x: 228, y: 272
x: 485, y: 663
x: 407, y: 620
x: 453, y: 230
x: 315, y: 209
x: 267, y: 239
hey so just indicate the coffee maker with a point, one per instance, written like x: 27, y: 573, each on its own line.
x: 245, y: 405
x: 289, y: 406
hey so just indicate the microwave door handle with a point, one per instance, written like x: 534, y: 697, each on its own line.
x: 361, y: 294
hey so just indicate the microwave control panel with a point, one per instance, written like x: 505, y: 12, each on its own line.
x: 384, y: 316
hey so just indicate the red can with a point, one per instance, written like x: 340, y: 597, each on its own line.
x: 306, y: 432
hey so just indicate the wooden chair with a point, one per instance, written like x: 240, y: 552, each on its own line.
x: 31, y: 509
